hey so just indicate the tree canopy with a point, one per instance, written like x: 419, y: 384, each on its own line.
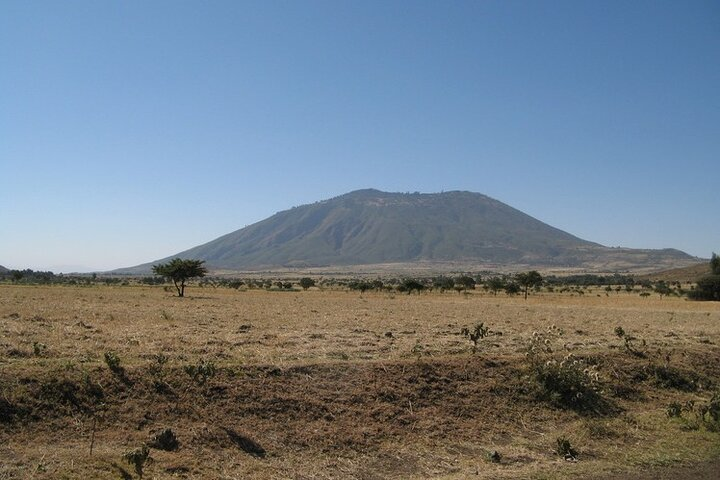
x: 529, y: 279
x: 307, y: 282
x: 708, y: 287
x: 715, y: 264
x: 180, y: 271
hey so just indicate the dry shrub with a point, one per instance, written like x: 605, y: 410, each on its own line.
x: 165, y: 440
x: 566, y: 381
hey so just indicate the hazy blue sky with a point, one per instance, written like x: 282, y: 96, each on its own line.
x: 132, y: 130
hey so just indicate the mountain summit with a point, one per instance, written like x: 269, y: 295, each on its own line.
x: 373, y: 227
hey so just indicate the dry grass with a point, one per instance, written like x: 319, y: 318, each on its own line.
x: 332, y: 384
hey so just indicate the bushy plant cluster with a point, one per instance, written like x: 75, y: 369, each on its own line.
x: 475, y: 335
x: 697, y: 415
x: 564, y: 379
x: 201, y: 372
x: 629, y: 340
x: 138, y: 458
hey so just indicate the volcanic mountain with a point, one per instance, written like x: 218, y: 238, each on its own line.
x: 372, y: 227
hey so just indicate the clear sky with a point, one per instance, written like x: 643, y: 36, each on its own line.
x: 132, y: 130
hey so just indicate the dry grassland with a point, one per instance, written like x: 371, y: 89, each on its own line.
x: 332, y: 384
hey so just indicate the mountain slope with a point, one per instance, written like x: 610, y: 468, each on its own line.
x: 372, y: 227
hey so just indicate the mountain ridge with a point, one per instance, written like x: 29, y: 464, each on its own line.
x: 369, y: 226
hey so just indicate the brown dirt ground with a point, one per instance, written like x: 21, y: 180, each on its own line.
x: 332, y: 384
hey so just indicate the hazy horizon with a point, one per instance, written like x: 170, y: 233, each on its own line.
x: 134, y: 130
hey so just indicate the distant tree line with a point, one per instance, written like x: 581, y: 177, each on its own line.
x: 525, y: 283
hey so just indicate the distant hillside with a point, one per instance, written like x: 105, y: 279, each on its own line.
x: 682, y: 274
x: 372, y: 227
x: 3, y: 270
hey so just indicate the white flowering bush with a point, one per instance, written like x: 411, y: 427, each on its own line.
x: 564, y: 379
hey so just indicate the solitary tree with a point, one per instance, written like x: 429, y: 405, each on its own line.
x: 180, y: 271
x: 529, y: 279
x: 307, y: 282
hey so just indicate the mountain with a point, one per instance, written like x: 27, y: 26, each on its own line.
x: 3, y: 270
x: 373, y: 227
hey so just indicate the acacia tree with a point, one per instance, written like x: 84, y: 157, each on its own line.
x: 307, y: 282
x: 494, y: 284
x: 529, y: 279
x: 180, y: 271
x: 465, y: 282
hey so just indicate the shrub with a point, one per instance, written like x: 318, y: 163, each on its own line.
x: 565, y: 449
x: 629, y: 346
x: 705, y: 415
x: 493, y: 456
x: 707, y: 289
x: 113, y: 363
x: 138, y: 458
x: 478, y: 333
x: 165, y: 440
x: 566, y: 381
x: 666, y: 376
x: 201, y: 372
x: 39, y: 348
x: 674, y: 410
x: 360, y: 285
x: 710, y: 412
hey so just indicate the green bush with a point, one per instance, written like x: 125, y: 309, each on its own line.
x: 707, y: 289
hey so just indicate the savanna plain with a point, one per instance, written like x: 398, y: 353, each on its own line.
x: 130, y: 381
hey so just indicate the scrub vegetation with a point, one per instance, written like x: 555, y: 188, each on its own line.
x: 355, y: 378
